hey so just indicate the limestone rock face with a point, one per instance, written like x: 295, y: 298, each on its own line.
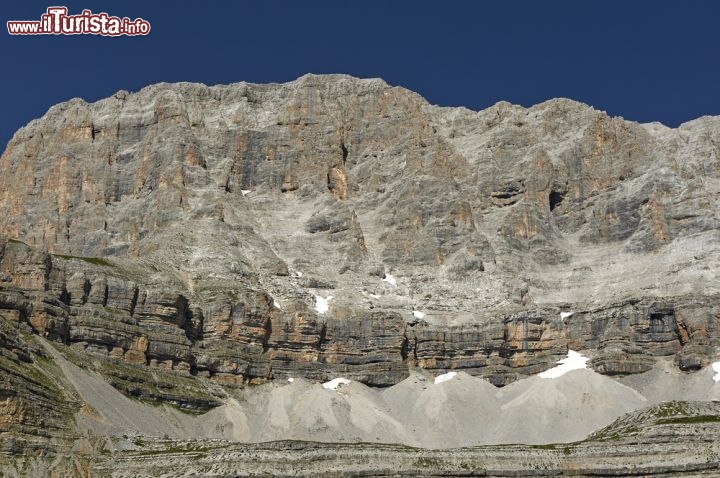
x: 197, y: 229
x: 35, y: 410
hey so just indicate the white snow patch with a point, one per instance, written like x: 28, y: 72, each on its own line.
x: 574, y: 361
x: 245, y: 192
x: 321, y: 303
x: 291, y: 380
x: 445, y: 377
x: 389, y: 279
x: 335, y: 383
x: 716, y: 369
x: 295, y: 273
x: 276, y: 304
x: 565, y: 315
x: 374, y: 296
x: 418, y: 314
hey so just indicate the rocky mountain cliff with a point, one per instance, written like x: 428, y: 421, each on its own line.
x: 334, y: 226
x: 200, y: 228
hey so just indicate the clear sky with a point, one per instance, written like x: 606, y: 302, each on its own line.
x: 643, y: 60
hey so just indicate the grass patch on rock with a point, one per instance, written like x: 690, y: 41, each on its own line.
x: 689, y: 420
x: 96, y: 261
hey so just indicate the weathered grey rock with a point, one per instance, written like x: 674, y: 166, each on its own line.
x: 35, y: 409
x: 675, y: 439
x: 190, y: 228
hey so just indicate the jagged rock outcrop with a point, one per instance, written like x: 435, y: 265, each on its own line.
x: 36, y: 410
x: 193, y: 228
x: 673, y: 439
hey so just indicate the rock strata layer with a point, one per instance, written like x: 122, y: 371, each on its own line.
x: 674, y: 439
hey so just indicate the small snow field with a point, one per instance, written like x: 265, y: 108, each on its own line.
x: 418, y: 315
x: 389, y: 279
x: 445, y: 377
x: 322, y: 303
x: 716, y: 369
x: 573, y: 361
x: 335, y: 383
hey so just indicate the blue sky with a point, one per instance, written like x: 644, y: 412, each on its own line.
x: 643, y: 60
